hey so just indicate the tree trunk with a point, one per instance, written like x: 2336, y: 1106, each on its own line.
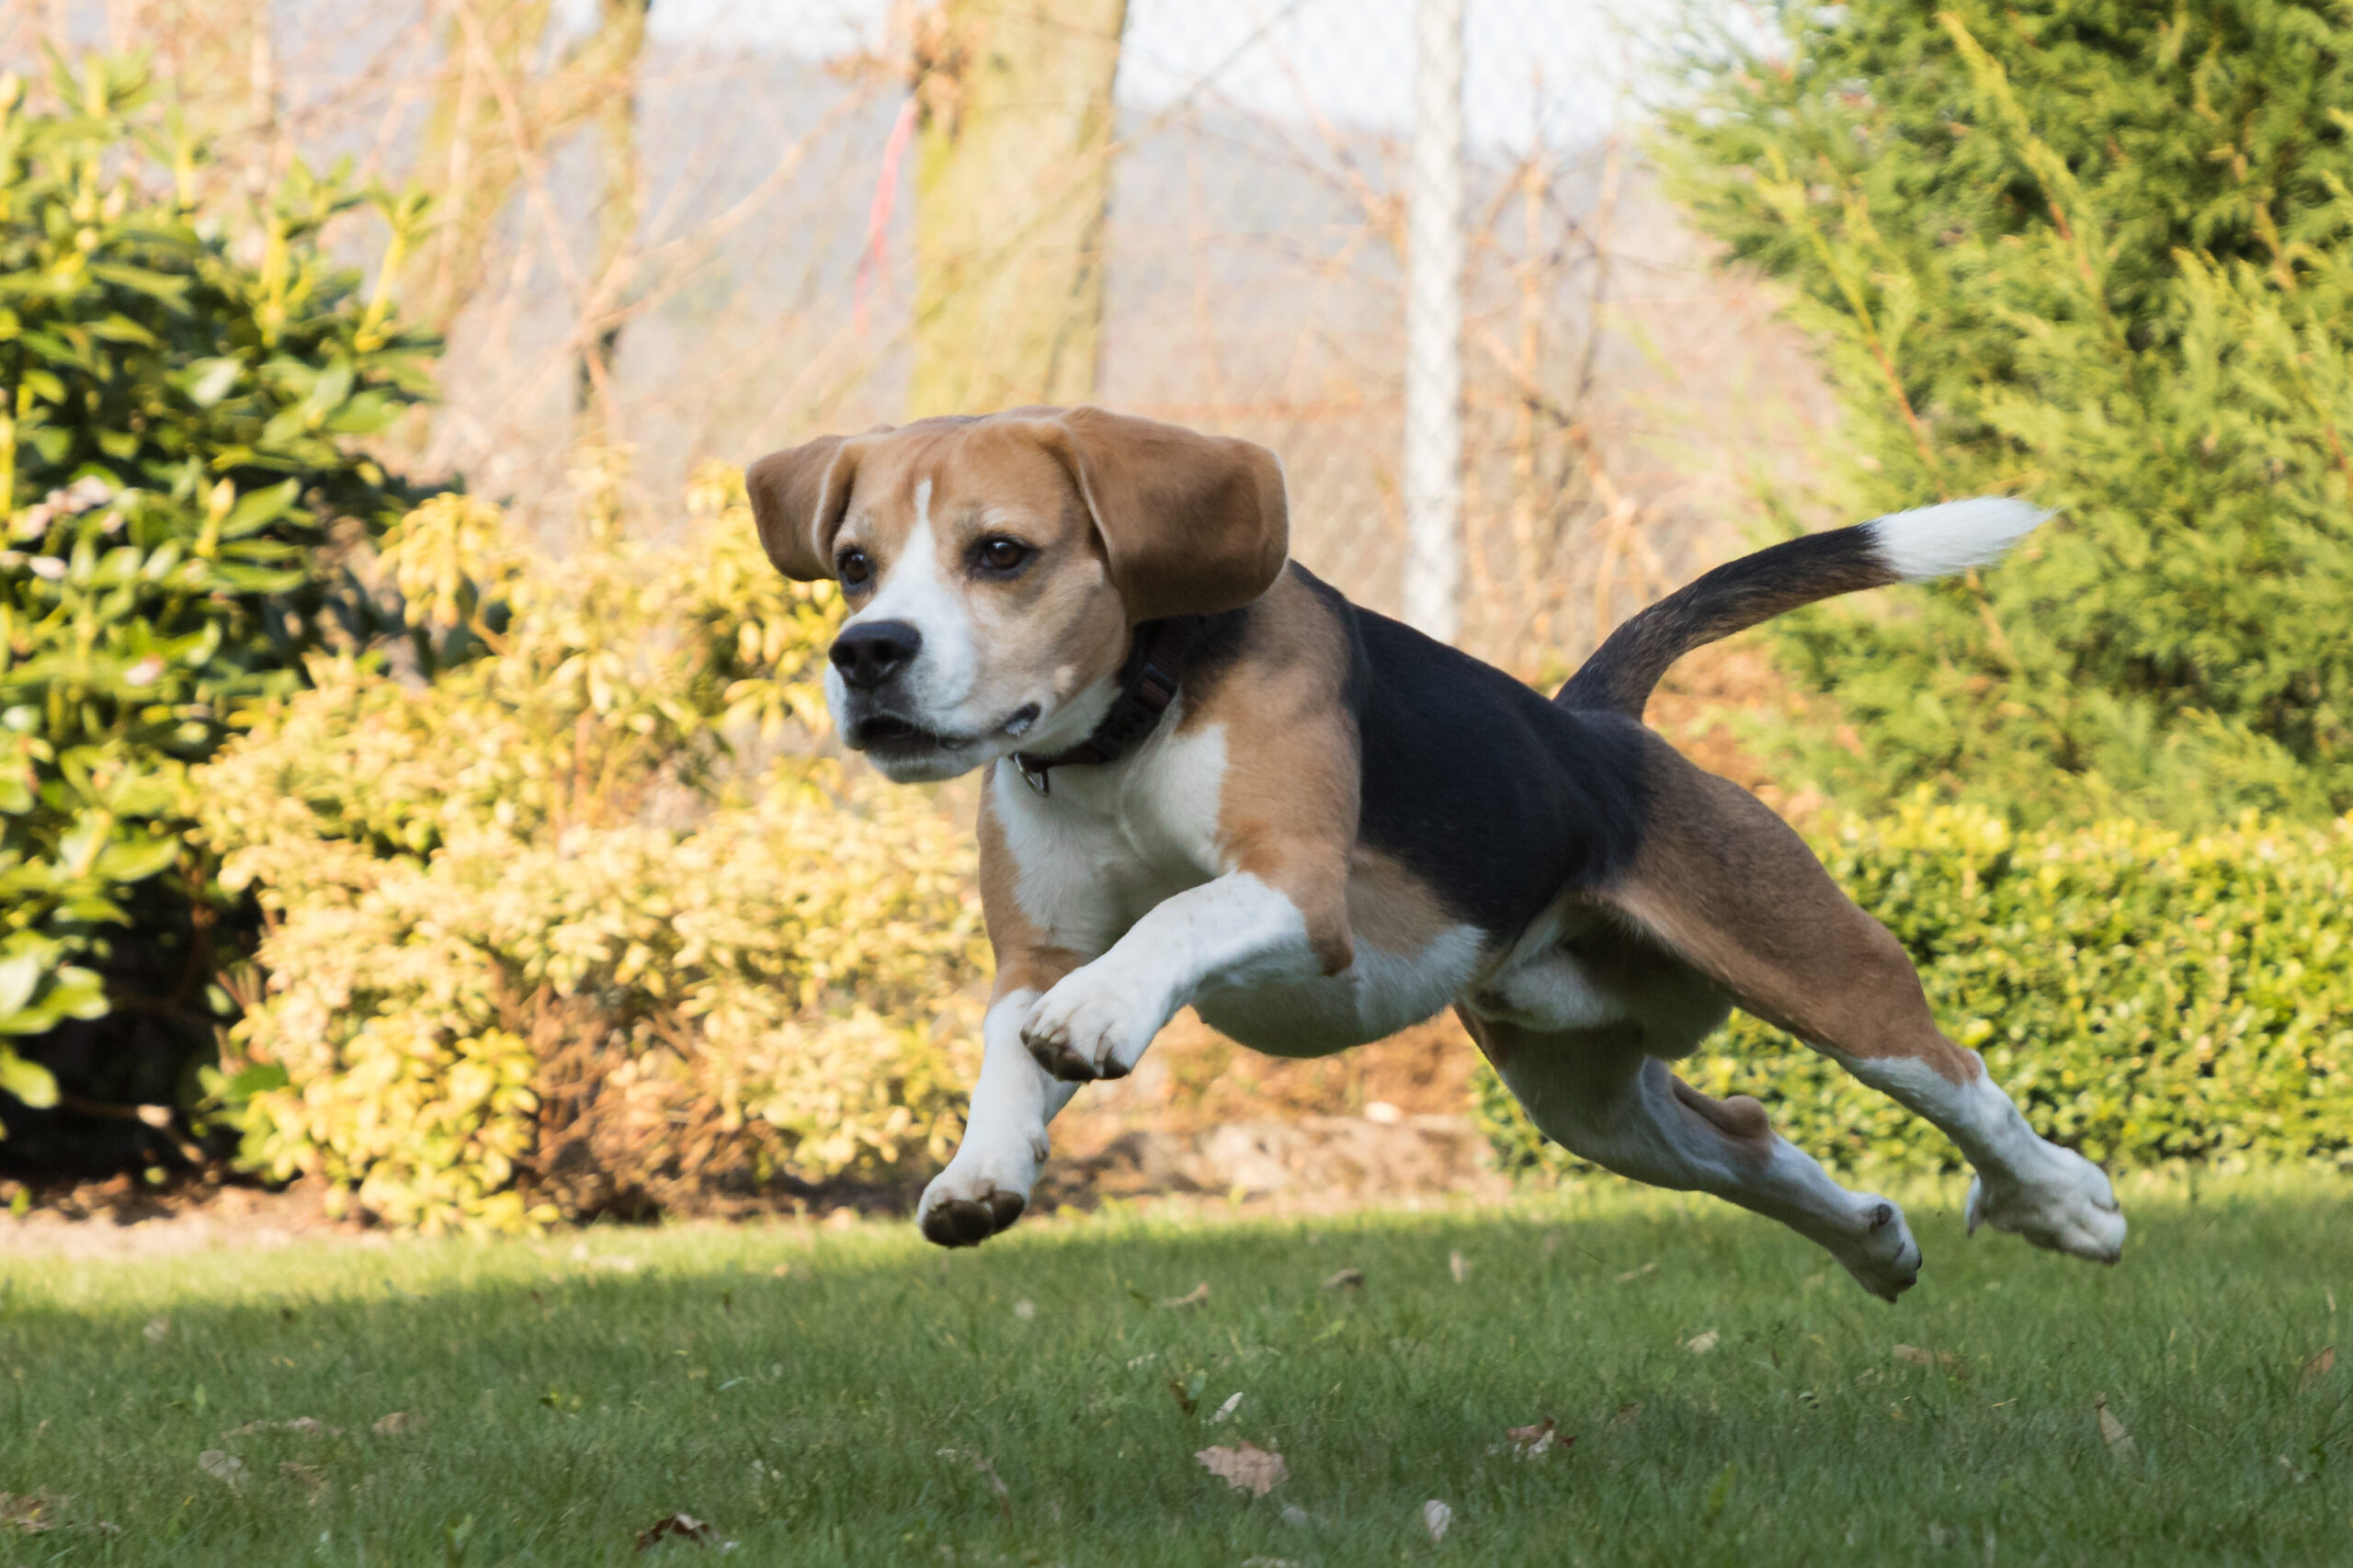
x: 609, y: 67
x: 473, y: 155
x: 1013, y: 182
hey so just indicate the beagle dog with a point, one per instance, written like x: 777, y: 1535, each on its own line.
x: 1212, y: 781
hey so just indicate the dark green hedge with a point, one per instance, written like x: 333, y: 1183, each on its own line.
x: 2098, y: 255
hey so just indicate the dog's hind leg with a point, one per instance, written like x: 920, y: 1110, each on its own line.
x: 1598, y: 1091
x: 1725, y: 885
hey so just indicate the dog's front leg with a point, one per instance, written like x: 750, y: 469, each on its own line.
x: 1236, y: 930
x: 986, y: 1185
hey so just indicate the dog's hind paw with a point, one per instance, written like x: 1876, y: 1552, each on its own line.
x: 2069, y: 1206
x: 1885, y: 1259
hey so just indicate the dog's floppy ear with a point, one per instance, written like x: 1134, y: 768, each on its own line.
x: 1192, y: 524
x: 798, y: 498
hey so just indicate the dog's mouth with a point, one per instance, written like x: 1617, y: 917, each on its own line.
x: 888, y: 731
x: 894, y: 737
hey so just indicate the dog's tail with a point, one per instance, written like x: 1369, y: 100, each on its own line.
x: 1905, y: 547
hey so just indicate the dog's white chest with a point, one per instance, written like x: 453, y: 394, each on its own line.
x: 1101, y: 847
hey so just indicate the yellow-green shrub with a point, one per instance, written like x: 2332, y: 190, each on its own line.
x: 2146, y: 996
x: 537, y: 943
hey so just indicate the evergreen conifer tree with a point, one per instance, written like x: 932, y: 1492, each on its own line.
x: 2098, y: 253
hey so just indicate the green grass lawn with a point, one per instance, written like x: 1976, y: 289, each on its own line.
x: 826, y: 1397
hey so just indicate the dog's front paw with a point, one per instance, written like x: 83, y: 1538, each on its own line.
x: 2068, y: 1206
x: 1089, y: 1027
x: 963, y: 1209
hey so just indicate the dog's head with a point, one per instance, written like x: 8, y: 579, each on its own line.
x: 993, y: 568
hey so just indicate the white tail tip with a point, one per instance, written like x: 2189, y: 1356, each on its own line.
x: 1937, y: 541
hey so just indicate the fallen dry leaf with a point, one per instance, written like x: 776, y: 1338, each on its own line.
x: 1458, y: 1266
x: 1024, y: 1310
x: 1345, y: 1279
x: 684, y: 1525
x: 781, y: 1269
x: 399, y: 1424
x: 1269, y: 1562
x: 222, y: 1466
x: 1945, y: 1359
x: 2317, y: 1367
x: 1626, y: 1414
x: 1531, y: 1442
x: 1225, y: 1411
x: 301, y: 1426
x: 2111, y: 1430
x: 1437, y: 1518
x: 312, y: 1477
x: 158, y: 1327
x: 1003, y: 1497
x: 31, y: 1513
x: 1701, y: 1343
x: 1633, y: 1274
x: 1195, y: 1297
x: 1245, y: 1469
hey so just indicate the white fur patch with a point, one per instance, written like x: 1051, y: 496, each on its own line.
x: 1937, y: 541
x: 1106, y: 845
x: 1379, y: 993
x: 1181, y: 793
x: 916, y: 590
x: 1233, y: 933
x: 1549, y: 991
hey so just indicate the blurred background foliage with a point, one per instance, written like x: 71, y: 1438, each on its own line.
x: 547, y: 937
x: 183, y: 503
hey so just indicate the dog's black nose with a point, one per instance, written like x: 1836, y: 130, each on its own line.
x: 870, y: 655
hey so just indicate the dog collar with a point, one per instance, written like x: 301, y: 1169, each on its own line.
x: 1148, y: 683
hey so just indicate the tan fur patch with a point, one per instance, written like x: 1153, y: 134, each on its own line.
x: 1025, y: 958
x: 1739, y: 1118
x: 1726, y: 884
x: 1391, y: 907
x: 1286, y: 812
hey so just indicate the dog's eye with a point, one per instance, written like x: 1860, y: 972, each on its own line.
x: 853, y: 569
x: 998, y: 553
